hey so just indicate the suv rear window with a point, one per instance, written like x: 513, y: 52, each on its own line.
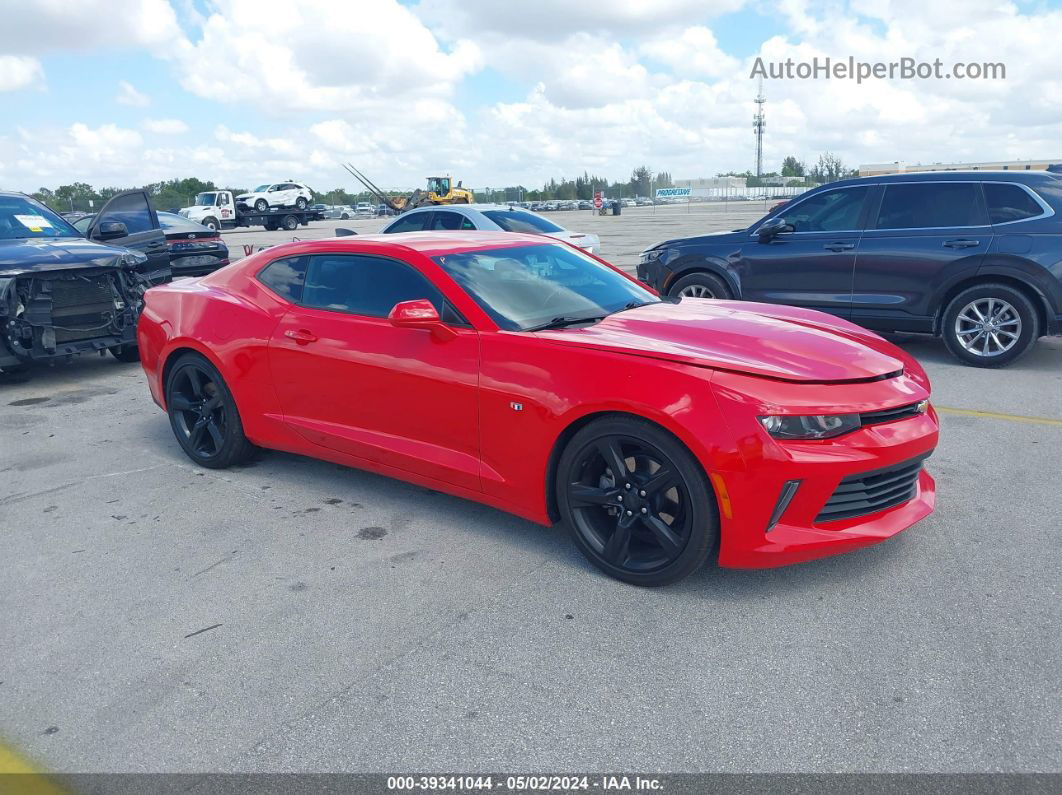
x: 1009, y: 203
x: 930, y: 205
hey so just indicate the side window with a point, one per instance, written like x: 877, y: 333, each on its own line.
x: 408, y: 223
x: 830, y: 211
x: 363, y: 285
x: 447, y: 220
x: 285, y: 277
x: 1007, y: 203
x: 132, y: 210
x: 928, y: 205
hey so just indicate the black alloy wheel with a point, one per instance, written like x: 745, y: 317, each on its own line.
x: 636, y: 501
x: 203, y: 414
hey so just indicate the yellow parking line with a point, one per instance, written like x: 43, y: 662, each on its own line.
x: 995, y: 415
x: 19, y: 777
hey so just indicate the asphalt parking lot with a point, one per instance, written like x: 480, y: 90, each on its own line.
x: 292, y: 615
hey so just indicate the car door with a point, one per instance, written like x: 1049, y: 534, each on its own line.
x: 140, y: 230
x: 811, y: 265
x: 924, y: 236
x: 348, y: 380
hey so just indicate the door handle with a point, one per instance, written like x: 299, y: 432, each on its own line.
x: 301, y: 336
x: 962, y: 242
x: 839, y: 246
x: 157, y: 244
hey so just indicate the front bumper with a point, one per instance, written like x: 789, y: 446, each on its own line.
x: 754, y: 533
x: 654, y: 273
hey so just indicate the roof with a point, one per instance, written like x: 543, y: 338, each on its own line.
x: 427, y: 243
x: 460, y: 208
x: 1027, y: 177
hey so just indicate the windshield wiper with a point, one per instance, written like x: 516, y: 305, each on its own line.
x: 566, y: 320
x: 635, y: 305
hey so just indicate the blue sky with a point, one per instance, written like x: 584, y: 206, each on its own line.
x: 242, y: 91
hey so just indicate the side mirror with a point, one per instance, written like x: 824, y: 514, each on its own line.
x: 420, y: 313
x: 342, y: 232
x: 109, y: 230
x: 773, y: 228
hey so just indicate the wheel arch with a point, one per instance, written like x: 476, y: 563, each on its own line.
x: 1034, y: 294
x: 176, y: 352
x: 698, y: 263
x: 578, y: 423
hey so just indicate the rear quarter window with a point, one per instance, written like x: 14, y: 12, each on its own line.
x: 286, y: 277
x: 1008, y: 203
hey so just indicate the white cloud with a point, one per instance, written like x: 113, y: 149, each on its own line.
x: 550, y: 20
x: 17, y: 72
x: 128, y: 95
x: 603, y: 85
x: 694, y: 53
x: 165, y: 126
x: 319, y: 56
x: 60, y: 25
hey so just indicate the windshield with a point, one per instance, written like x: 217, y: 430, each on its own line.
x: 22, y: 217
x: 206, y: 199
x: 526, y: 286
x: 261, y: 189
x: 517, y: 221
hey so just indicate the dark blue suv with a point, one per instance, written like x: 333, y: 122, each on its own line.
x: 972, y: 256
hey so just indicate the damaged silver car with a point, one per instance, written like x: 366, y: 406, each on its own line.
x: 62, y: 295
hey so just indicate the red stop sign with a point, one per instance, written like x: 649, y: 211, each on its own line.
x: 597, y: 199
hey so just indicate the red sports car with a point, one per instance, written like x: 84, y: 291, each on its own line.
x: 536, y: 378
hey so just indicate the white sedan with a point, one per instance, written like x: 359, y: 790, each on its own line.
x: 493, y: 217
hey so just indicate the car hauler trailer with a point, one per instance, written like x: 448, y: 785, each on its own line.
x: 218, y: 209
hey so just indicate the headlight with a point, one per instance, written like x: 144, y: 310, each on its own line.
x: 814, y: 426
x: 651, y: 255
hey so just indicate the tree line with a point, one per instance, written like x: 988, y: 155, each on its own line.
x: 176, y: 193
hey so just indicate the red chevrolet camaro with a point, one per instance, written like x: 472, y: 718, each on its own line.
x: 531, y: 376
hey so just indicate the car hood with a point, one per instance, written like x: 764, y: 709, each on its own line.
x: 725, y: 236
x: 786, y: 343
x: 46, y: 254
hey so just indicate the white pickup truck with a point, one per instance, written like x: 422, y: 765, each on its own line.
x: 217, y: 209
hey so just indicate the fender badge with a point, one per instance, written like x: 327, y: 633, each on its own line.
x: 516, y: 406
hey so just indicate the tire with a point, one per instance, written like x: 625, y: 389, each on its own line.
x: 344, y: 217
x: 300, y: 204
x: 626, y: 532
x: 261, y: 205
x: 700, y: 285
x: 127, y: 354
x: 1012, y: 325
x: 290, y: 222
x: 212, y: 223
x: 203, y: 414
x: 271, y: 226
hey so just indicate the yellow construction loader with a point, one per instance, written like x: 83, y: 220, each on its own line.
x: 441, y: 190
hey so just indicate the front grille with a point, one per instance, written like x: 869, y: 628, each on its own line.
x: 890, y: 415
x: 81, y: 308
x: 870, y: 492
